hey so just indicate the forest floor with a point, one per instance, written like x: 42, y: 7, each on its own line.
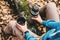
x: 6, y: 13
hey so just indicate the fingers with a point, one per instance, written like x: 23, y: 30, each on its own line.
x: 18, y: 25
x: 23, y: 28
x: 38, y: 15
x: 26, y: 24
x: 33, y: 18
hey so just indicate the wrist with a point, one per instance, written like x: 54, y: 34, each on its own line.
x: 25, y: 31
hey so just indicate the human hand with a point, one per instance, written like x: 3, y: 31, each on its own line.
x: 22, y: 28
x: 38, y: 19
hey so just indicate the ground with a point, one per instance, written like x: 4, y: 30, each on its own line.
x: 7, y: 13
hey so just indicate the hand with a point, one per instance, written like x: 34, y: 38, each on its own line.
x: 38, y: 19
x: 22, y: 28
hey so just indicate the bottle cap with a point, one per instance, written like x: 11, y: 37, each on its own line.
x: 35, y: 10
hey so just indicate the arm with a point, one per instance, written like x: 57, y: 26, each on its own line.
x: 24, y: 29
x: 51, y: 24
x: 48, y: 23
x: 28, y: 36
x: 33, y: 34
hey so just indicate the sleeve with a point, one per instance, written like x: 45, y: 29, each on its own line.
x: 51, y: 24
x: 28, y: 36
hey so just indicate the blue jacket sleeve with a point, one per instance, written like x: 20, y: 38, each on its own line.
x: 51, y: 24
x: 28, y: 36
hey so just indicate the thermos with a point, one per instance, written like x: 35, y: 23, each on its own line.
x: 35, y: 10
x: 21, y: 20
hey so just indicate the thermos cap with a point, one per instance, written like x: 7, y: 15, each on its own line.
x: 35, y: 8
x: 34, y: 13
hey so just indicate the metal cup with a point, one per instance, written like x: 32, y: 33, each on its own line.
x: 21, y: 20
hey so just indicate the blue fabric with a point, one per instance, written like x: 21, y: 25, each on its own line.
x: 28, y: 36
x: 55, y: 27
x: 47, y: 34
x: 55, y: 36
x: 51, y: 24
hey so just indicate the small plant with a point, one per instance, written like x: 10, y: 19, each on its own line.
x: 24, y: 6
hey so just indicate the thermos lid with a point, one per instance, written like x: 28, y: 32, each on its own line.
x: 35, y: 8
x: 34, y: 13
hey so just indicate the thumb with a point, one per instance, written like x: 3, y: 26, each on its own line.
x: 26, y: 23
x: 18, y: 26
